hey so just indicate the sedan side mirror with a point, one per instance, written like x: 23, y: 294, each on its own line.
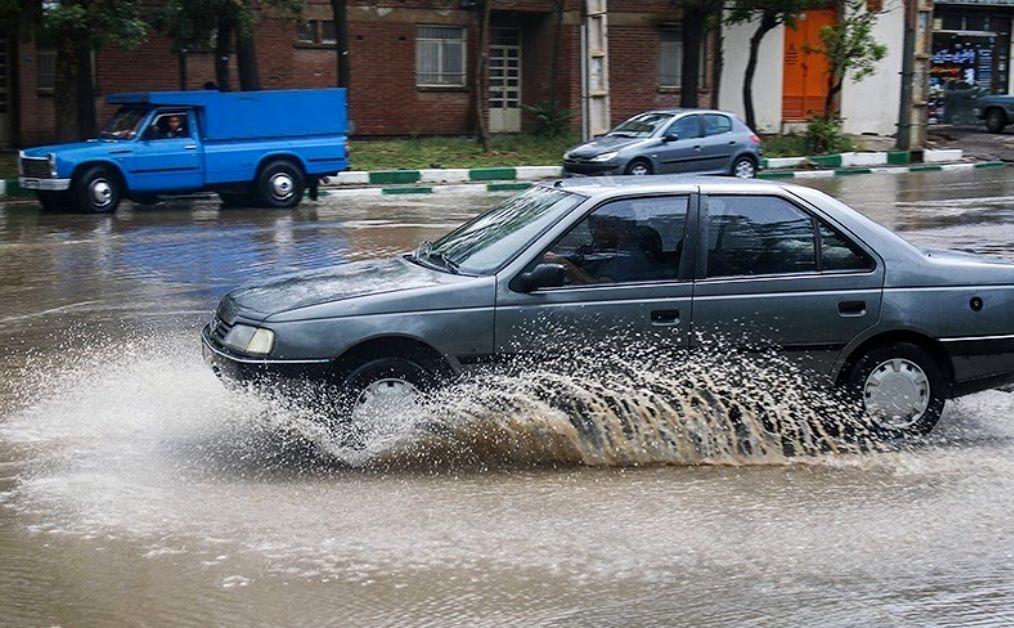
x: 670, y: 137
x: 543, y: 276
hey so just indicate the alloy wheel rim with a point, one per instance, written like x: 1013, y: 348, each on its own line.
x: 282, y: 186
x: 744, y: 169
x: 101, y: 192
x: 384, y: 397
x: 896, y: 393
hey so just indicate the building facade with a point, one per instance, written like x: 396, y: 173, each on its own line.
x: 412, y: 64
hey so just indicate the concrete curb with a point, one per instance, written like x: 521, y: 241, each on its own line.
x: 447, y: 175
x: 841, y: 172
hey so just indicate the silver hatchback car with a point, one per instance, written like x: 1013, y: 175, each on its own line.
x: 670, y: 258
x: 671, y: 141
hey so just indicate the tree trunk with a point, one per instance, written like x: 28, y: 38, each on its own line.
x: 246, y: 61
x: 223, y: 46
x: 65, y: 91
x: 834, y: 86
x: 693, y: 35
x: 339, y: 10
x: 479, y: 80
x: 768, y: 22
x: 85, y: 91
x: 719, y: 64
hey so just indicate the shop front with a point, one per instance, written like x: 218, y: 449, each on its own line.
x: 971, y: 53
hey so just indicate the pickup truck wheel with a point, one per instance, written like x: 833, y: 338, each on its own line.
x: 55, y: 201
x: 280, y: 185
x: 376, y: 391
x: 96, y: 190
x: 995, y: 120
x: 902, y: 390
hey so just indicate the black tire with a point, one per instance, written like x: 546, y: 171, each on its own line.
x: 639, y: 167
x: 414, y: 370
x: 96, y: 190
x: 55, y: 201
x: 899, y: 363
x: 996, y: 120
x: 280, y: 184
x: 744, y: 168
x: 237, y: 199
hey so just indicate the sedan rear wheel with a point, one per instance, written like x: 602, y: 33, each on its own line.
x: 902, y: 389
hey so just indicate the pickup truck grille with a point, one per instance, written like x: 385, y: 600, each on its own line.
x: 35, y: 167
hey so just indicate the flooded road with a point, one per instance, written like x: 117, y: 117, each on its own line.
x: 135, y: 490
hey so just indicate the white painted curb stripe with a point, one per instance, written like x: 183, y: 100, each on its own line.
x: 933, y: 156
x: 538, y: 172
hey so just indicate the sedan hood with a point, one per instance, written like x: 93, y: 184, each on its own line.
x: 604, y: 144
x: 338, y: 283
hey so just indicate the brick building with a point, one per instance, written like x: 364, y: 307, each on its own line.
x: 412, y: 64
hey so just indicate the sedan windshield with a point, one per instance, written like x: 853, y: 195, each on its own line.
x: 641, y: 125
x: 487, y: 242
x: 124, y: 123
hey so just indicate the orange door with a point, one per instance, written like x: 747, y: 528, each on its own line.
x: 804, y: 84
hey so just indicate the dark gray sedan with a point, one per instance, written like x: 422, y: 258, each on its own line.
x: 671, y: 141
x: 901, y: 327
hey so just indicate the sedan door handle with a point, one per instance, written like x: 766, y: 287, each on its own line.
x: 852, y: 308
x: 665, y: 317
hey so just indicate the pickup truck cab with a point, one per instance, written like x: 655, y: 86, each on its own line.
x: 260, y: 148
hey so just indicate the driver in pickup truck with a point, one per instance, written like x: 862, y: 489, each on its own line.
x: 175, y: 128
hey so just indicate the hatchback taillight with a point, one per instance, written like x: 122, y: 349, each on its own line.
x: 755, y: 139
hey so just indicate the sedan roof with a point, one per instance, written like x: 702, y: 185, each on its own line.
x: 667, y: 184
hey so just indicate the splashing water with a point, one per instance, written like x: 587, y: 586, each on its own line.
x: 621, y: 405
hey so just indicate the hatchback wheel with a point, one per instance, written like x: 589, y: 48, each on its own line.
x: 744, y: 168
x: 995, y: 120
x: 638, y: 167
x: 902, y: 389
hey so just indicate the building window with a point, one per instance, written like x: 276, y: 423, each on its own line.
x: 440, y: 56
x: 45, y: 70
x: 670, y: 59
x: 316, y: 32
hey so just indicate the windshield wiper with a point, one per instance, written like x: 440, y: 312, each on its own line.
x: 425, y: 253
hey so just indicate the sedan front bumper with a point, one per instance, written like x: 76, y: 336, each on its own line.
x: 46, y: 185
x: 236, y: 371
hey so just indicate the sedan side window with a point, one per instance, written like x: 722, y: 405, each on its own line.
x: 837, y: 253
x: 758, y: 235
x: 716, y: 124
x: 686, y: 128
x: 625, y: 241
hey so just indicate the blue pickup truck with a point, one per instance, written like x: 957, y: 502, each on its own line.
x: 996, y: 110
x: 263, y: 148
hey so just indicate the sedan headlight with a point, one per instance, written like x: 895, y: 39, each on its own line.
x: 251, y: 340
x: 605, y: 156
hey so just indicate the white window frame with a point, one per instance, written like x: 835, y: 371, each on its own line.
x: 702, y: 73
x: 463, y: 42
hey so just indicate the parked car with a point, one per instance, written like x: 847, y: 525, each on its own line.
x: 903, y: 327
x: 671, y: 141
x: 262, y: 148
x: 996, y: 110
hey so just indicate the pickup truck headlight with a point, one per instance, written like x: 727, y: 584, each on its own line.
x: 52, y: 166
x: 605, y: 156
x: 21, y: 167
x: 251, y: 340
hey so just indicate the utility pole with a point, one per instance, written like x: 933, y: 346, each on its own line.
x: 594, y: 70
x: 915, y: 63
